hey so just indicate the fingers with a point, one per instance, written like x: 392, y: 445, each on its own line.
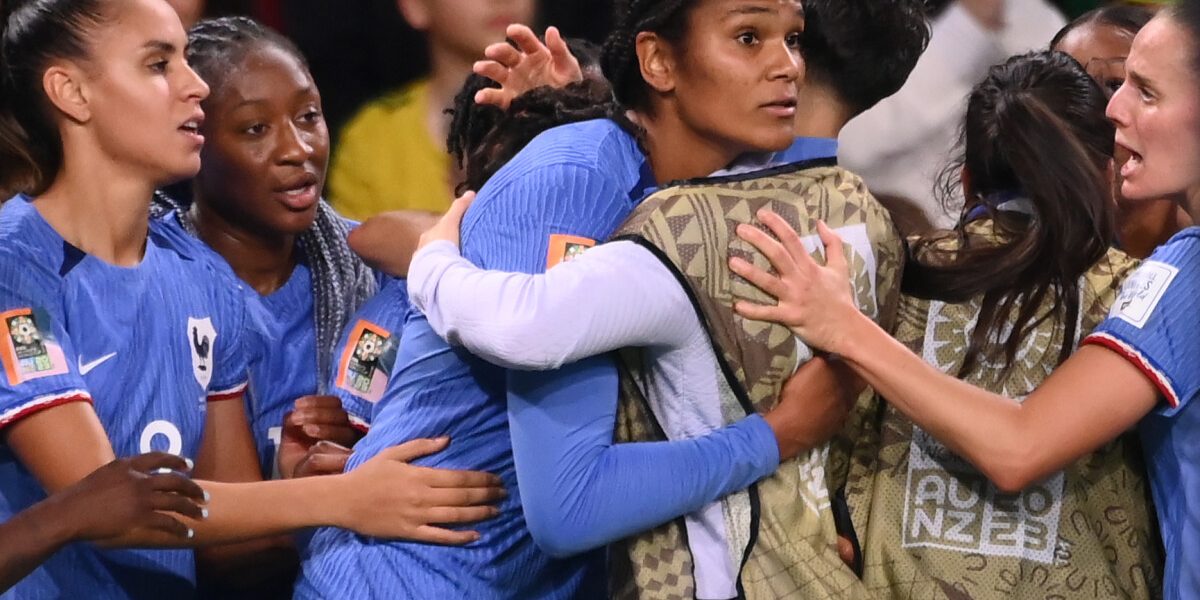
x: 505, y: 56
x: 453, y: 515
x: 769, y: 247
x: 784, y: 231
x: 757, y: 277
x: 454, y: 216
x: 493, y: 97
x: 526, y: 39
x: 454, y: 496
x: 445, y: 537
x: 493, y: 70
x: 169, y: 525
x: 321, y: 461
x: 757, y: 312
x: 181, y: 505
x: 174, y: 482
x: 448, y: 478
x: 414, y: 449
x: 154, y: 461
x: 835, y: 250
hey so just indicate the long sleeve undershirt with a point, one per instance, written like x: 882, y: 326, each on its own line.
x: 579, y: 489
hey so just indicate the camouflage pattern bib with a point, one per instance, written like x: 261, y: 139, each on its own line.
x: 783, y: 535
x: 933, y: 527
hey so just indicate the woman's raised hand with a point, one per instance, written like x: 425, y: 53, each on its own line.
x: 816, y: 302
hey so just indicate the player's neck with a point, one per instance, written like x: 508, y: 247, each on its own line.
x: 820, y: 113
x: 666, y: 134
x: 99, y: 209
x: 265, y: 263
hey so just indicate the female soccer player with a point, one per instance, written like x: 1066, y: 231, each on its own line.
x: 571, y: 185
x: 256, y: 203
x: 1137, y: 367
x: 116, y: 338
x: 1100, y: 41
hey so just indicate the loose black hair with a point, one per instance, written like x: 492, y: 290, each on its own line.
x: 863, y: 49
x: 484, y: 138
x: 32, y: 34
x: 1035, y: 129
x: 1127, y: 18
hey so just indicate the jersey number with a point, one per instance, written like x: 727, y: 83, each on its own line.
x: 165, y: 430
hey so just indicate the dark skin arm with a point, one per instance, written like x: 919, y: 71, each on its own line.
x: 132, y: 492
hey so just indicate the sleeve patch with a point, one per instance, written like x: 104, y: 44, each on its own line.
x: 564, y: 248
x: 1142, y: 292
x: 366, y: 362
x: 28, y: 347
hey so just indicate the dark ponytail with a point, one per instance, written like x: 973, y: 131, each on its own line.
x: 667, y: 18
x: 1035, y: 132
x: 34, y: 33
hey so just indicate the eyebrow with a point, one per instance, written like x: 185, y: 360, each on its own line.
x: 1138, y: 79
x: 161, y: 46
x: 758, y: 10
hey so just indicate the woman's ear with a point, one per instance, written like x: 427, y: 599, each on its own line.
x: 656, y: 58
x: 66, y: 90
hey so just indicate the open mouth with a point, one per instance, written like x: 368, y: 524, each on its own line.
x: 300, y: 194
x: 191, y: 127
x: 1135, y: 160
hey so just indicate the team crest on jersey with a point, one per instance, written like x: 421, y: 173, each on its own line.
x: 202, y: 337
x: 367, y: 361
x: 1142, y: 292
x: 29, y: 349
x: 564, y: 248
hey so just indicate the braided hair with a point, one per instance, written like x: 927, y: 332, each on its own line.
x: 482, y: 139
x: 341, y: 281
x: 667, y: 18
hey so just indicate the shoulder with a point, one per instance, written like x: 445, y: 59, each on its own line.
x: 31, y: 253
x: 599, y: 146
x: 588, y: 166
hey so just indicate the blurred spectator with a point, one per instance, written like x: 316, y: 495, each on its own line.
x: 900, y: 146
x: 392, y: 154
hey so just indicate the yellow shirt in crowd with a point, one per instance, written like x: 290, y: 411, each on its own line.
x: 386, y: 159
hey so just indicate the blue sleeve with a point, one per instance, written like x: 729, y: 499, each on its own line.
x: 579, y: 489
x: 40, y: 366
x: 238, y: 339
x: 366, y: 353
x: 1153, y: 322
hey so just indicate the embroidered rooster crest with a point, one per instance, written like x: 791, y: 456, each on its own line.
x: 201, y: 336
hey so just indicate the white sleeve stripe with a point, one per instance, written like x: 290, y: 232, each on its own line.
x: 228, y: 393
x: 1128, y: 352
x: 15, y: 414
x: 359, y: 423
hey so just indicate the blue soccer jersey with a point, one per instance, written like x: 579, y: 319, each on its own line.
x: 1154, y: 325
x: 148, y: 346
x: 285, y: 368
x: 366, y: 353
x: 593, y: 171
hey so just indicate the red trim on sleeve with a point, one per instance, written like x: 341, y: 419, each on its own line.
x: 233, y: 393
x: 43, y: 403
x: 1134, y: 357
x: 360, y: 425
